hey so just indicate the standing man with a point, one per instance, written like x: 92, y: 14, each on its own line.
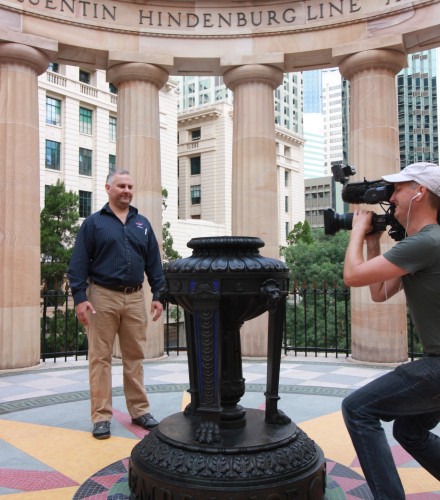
x: 115, y: 248
x: 410, y: 394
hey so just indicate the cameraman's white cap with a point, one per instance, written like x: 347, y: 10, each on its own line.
x: 426, y: 174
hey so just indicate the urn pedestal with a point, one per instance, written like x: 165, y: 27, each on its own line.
x: 216, y: 448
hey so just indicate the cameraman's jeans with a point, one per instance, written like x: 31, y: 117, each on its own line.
x: 409, y: 395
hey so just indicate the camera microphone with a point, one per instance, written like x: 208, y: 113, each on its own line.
x: 367, y: 192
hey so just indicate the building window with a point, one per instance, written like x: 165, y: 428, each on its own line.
x: 287, y: 229
x: 195, y: 165
x: 85, y: 121
x: 84, y: 76
x: 85, y: 162
x: 112, y: 89
x: 196, y: 195
x: 196, y: 134
x: 189, y: 102
x: 286, y: 178
x: 286, y: 204
x: 53, y: 111
x: 54, y: 67
x: 53, y: 155
x: 112, y: 128
x: 85, y: 203
x: 111, y: 163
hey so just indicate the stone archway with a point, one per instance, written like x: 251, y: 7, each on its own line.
x: 139, y: 44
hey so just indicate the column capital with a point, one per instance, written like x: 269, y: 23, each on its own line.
x: 253, y: 73
x: 126, y: 72
x: 18, y: 53
x: 380, y: 59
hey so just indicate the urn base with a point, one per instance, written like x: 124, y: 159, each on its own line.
x: 259, y: 461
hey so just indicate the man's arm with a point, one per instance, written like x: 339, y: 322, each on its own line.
x: 78, y: 275
x: 383, y: 277
x: 82, y: 311
x: 156, y: 309
x: 153, y: 266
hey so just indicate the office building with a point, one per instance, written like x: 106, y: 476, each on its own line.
x: 418, y: 108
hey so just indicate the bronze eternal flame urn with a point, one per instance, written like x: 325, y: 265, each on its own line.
x: 216, y: 449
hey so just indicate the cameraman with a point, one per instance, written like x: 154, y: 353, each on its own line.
x: 410, y: 394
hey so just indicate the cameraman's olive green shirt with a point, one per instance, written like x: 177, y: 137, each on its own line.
x: 419, y: 254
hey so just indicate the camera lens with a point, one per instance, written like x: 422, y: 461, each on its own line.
x: 334, y: 222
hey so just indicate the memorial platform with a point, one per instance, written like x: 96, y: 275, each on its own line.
x: 47, y: 450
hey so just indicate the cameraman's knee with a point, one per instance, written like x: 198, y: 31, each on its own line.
x: 406, y: 430
x: 349, y: 408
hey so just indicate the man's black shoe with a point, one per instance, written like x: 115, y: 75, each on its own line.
x: 101, y: 430
x: 146, y: 421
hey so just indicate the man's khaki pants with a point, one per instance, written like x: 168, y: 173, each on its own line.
x: 125, y: 315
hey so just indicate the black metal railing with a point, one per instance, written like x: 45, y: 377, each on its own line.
x: 62, y: 336
x: 317, y: 322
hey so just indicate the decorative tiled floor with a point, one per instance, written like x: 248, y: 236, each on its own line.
x: 47, y: 451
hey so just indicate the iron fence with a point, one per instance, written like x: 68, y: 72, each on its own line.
x: 317, y: 322
x: 62, y: 336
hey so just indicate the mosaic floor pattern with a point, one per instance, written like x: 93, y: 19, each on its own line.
x: 47, y: 451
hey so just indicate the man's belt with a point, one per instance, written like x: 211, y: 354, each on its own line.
x: 120, y: 288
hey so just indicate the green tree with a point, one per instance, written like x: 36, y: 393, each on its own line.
x: 59, y: 227
x: 169, y: 253
x: 318, y: 259
x: 317, y: 308
x: 301, y: 232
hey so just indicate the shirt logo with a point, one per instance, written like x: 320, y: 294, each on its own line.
x: 139, y: 224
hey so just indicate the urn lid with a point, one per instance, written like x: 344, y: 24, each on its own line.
x: 226, y: 254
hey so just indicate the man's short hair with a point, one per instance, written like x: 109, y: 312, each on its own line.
x: 118, y: 171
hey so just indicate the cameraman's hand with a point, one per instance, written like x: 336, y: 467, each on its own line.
x: 362, y: 221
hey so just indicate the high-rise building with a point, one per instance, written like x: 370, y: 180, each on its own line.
x: 287, y: 101
x: 418, y: 108
x: 314, y: 147
x: 200, y: 90
x: 333, y: 117
x: 312, y: 91
x: 196, y: 91
x: 323, y: 132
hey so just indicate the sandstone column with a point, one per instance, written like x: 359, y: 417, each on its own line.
x: 138, y: 150
x: 254, y: 172
x: 20, y: 66
x: 379, y: 332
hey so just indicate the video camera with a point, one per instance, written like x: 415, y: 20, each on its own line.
x: 369, y: 192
